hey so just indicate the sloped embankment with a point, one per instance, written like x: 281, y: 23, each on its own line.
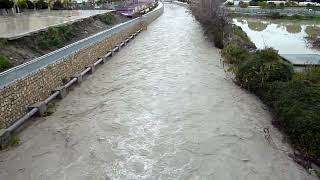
x: 18, y: 51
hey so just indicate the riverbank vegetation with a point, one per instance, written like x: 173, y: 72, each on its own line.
x: 293, y: 97
x: 4, y: 63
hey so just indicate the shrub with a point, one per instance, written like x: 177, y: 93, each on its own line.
x: 108, y: 18
x: 243, y: 4
x: 240, y: 33
x: 297, y: 106
x: 234, y: 54
x: 30, y: 5
x: 22, y: 4
x: 57, y: 5
x: 281, y: 5
x: 265, y: 67
x: 41, y: 4
x: 55, y: 37
x: 253, y: 3
x: 4, y: 63
x: 310, y: 74
x: 263, y: 4
x: 271, y: 5
x: 229, y: 3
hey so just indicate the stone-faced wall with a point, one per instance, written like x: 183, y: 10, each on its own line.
x: 17, y: 96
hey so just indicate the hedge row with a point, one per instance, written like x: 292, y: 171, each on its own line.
x: 294, y: 97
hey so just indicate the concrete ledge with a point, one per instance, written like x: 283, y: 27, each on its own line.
x: 92, y: 69
x: 100, y: 61
x: 116, y: 49
x: 109, y: 53
x: 41, y: 106
x: 62, y: 92
x: 79, y: 78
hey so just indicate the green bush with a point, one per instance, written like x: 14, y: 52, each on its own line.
x: 22, y: 4
x: 57, y: 5
x: 272, y: 5
x: 310, y: 74
x: 30, y: 4
x: 234, y: 54
x: 241, y: 38
x: 240, y: 33
x: 243, y: 4
x: 108, y: 18
x: 55, y: 37
x: 253, y: 3
x: 263, y: 4
x: 4, y: 63
x: 265, y: 67
x: 297, y: 107
x: 41, y: 4
x: 229, y: 3
x: 281, y: 6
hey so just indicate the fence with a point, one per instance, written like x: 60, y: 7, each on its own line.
x: 285, y: 11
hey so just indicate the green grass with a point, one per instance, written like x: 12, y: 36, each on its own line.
x: 239, y: 32
x: 14, y: 140
x: 51, y: 108
x: 108, y: 18
x: 55, y: 37
x: 4, y: 63
x: 310, y: 74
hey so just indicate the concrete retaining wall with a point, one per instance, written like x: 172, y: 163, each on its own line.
x: 33, y: 82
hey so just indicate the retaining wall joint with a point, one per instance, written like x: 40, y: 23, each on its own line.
x: 41, y: 106
x: 62, y: 92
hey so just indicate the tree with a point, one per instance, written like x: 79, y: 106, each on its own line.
x: 213, y: 16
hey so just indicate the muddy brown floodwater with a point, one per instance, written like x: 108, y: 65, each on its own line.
x: 163, y: 108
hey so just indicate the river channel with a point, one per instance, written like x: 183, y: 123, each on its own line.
x: 163, y: 108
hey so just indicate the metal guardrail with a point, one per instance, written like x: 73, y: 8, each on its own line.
x: 271, y: 11
x: 34, y: 65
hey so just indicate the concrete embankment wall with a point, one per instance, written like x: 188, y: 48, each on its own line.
x: 34, y: 81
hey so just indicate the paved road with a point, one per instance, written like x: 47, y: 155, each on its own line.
x: 163, y: 108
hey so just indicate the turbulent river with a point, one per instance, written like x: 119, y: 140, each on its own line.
x: 162, y: 108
